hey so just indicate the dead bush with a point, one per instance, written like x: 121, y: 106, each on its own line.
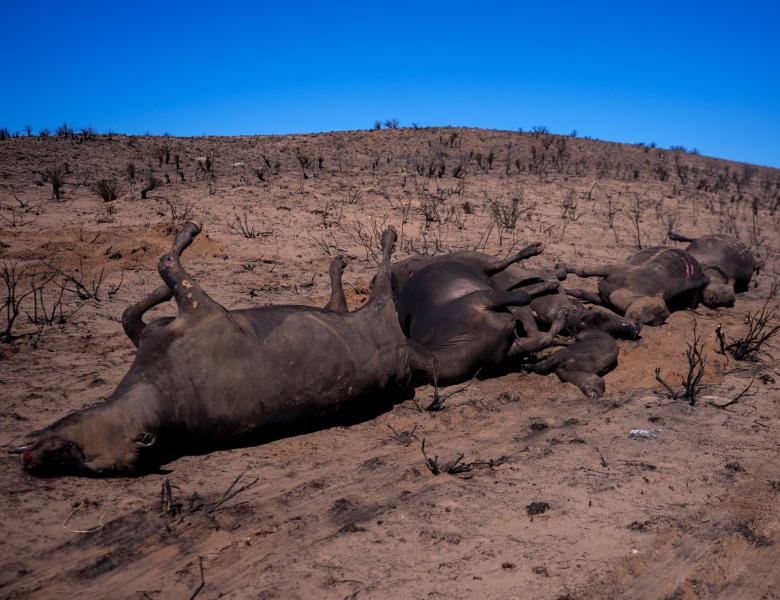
x: 108, y: 189
x: 56, y: 176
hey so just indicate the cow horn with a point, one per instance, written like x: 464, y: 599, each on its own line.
x: 18, y: 449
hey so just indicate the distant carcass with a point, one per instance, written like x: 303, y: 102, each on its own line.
x: 726, y: 261
x: 647, y: 286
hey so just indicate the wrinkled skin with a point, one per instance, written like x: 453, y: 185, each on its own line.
x: 211, y: 377
x: 648, y: 285
x: 458, y: 320
x: 583, y: 363
x: 727, y: 262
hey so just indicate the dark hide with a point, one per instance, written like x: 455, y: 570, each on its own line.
x: 338, y: 301
x: 458, y: 320
x: 594, y: 354
x: 726, y: 261
x: 554, y: 312
x: 211, y: 377
x: 557, y: 312
x: 505, y: 273
x: 487, y: 264
x: 648, y: 285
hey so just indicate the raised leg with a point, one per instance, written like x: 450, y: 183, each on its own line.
x: 189, y: 296
x: 500, y: 265
x: 676, y: 237
x: 543, y: 288
x: 494, y: 299
x: 132, y: 321
x: 338, y: 301
x: 383, y: 284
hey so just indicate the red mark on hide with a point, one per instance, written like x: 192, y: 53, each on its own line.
x: 27, y: 455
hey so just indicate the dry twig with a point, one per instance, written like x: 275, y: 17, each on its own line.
x: 227, y: 495
x: 73, y: 512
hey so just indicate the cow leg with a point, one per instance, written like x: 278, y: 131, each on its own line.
x: 547, y: 365
x: 189, y: 296
x: 594, y: 272
x: 534, y: 344
x: 676, y: 237
x: 495, y: 299
x: 560, y: 272
x: 523, y: 314
x: 383, y: 280
x: 338, y: 301
x: 592, y: 297
x: 499, y: 265
x: 132, y: 321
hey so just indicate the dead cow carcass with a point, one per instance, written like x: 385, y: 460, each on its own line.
x: 212, y: 377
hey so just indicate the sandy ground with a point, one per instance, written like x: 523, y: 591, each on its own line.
x: 559, y: 502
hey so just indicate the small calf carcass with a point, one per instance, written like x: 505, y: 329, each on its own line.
x: 592, y: 355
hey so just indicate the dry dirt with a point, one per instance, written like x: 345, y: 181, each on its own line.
x: 569, y: 507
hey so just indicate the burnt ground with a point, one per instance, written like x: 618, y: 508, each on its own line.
x: 557, y: 501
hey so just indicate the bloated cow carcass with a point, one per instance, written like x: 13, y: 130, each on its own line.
x: 647, y: 286
x: 726, y: 261
x: 459, y: 320
x: 212, y: 377
x: 505, y: 273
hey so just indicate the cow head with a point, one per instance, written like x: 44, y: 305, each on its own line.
x: 608, y: 322
x: 717, y: 294
x: 648, y: 310
x: 593, y: 386
x: 105, y: 439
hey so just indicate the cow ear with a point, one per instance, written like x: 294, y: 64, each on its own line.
x: 144, y: 440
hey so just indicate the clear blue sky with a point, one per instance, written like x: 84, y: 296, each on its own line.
x: 697, y: 74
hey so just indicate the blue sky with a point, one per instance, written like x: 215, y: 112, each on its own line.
x: 697, y: 74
